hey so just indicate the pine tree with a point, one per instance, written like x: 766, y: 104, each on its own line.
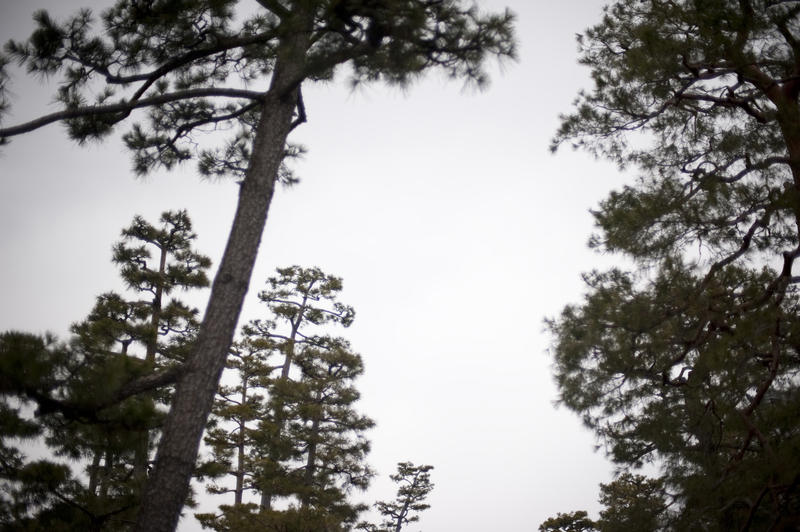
x: 176, y: 266
x: 154, y: 262
x: 326, y: 432
x: 689, y: 359
x: 316, y: 458
x: 237, y: 412
x: 289, y: 424
x: 414, y: 487
x: 185, y: 63
x: 630, y: 502
x: 300, y: 302
x: 75, y: 387
x: 577, y: 521
x: 38, y: 494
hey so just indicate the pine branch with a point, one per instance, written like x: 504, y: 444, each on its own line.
x: 127, y: 106
x: 91, y: 412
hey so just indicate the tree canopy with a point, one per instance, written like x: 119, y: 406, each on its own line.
x: 73, y: 398
x: 414, y: 486
x: 689, y: 358
x: 290, y: 423
x: 199, y: 65
x: 630, y: 502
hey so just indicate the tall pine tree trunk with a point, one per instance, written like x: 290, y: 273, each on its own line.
x: 311, y: 461
x: 266, y: 493
x: 94, y: 471
x: 402, y: 515
x: 240, y: 451
x: 155, y: 316
x: 105, y: 481
x: 142, y: 452
x: 168, y: 486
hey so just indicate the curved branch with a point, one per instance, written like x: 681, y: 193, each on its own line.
x: 90, y: 412
x: 221, y: 46
x: 184, y: 129
x: 716, y: 101
x: 275, y: 7
x: 194, y: 55
x: 127, y: 107
x: 745, y: 245
x: 149, y: 382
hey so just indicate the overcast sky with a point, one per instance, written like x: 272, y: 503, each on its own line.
x: 454, y: 228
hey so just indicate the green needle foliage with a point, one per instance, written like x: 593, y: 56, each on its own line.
x: 154, y: 262
x: 329, y: 448
x: 191, y: 66
x: 689, y: 359
x: 94, y: 402
x: 287, y: 429
x: 571, y: 522
x: 414, y: 487
x: 631, y: 502
x: 238, y: 411
x: 301, y: 301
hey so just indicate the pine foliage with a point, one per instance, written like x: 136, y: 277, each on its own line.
x: 287, y: 429
x: 414, y: 486
x: 196, y: 66
x: 71, y: 397
x: 689, y: 359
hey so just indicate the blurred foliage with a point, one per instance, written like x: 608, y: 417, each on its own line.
x: 65, y: 395
x: 689, y: 359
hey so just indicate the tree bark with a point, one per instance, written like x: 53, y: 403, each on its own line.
x: 142, y: 452
x: 240, y: 448
x: 105, y: 482
x: 402, y: 516
x: 266, y: 493
x: 311, y: 461
x: 94, y: 472
x: 155, y: 318
x: 168, y: 487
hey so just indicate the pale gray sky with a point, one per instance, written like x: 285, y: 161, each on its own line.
x: 454, y: 228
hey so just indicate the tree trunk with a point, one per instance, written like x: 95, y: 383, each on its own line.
x: 142, y: 452
x: 240, y: 448
x: 168, y: 486
x: 266, y: 493
x: 311, y: 461
x: 105, y: 481
x: 155, y: 318
x: 141, y: 456
x: 94, y: 472
x: 402, y: 515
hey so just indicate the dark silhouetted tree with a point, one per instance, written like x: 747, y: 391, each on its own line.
x: 414, y: 487
x: 689, y: 359
x: 77, y: 390
x: 632, y: 502
x: 194, y: 65
x: 577, y: 521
